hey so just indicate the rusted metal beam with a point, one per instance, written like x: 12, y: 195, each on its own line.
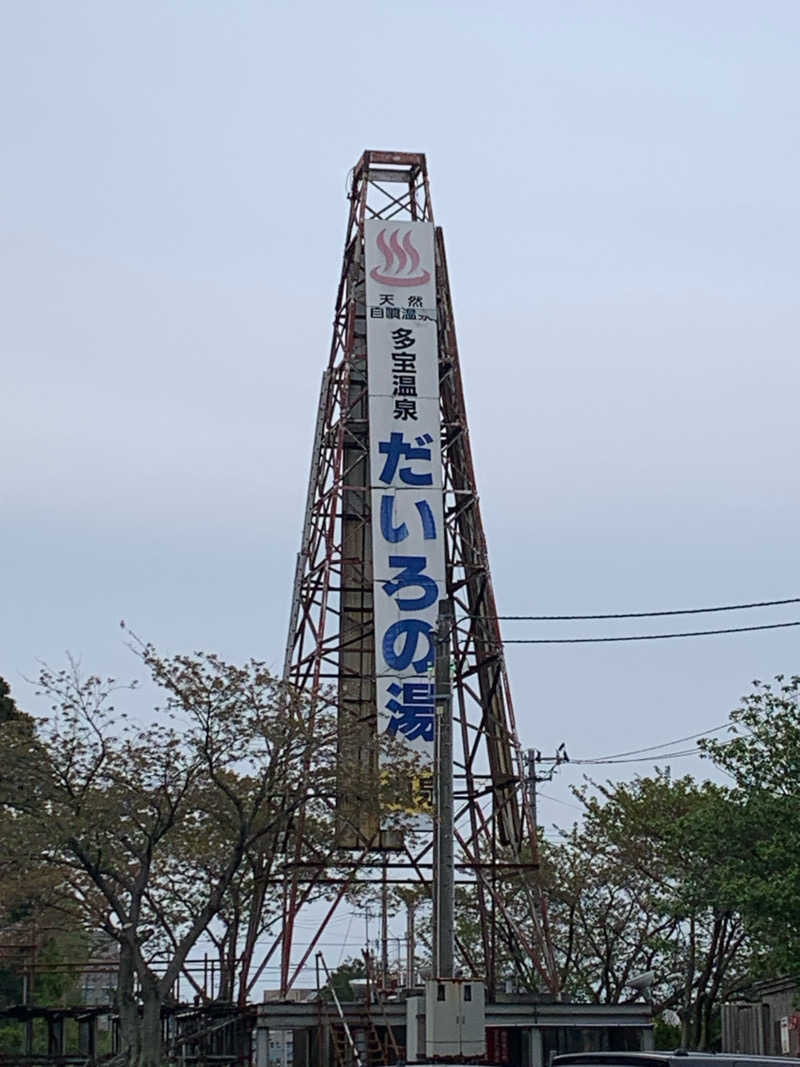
x: 331, y: 632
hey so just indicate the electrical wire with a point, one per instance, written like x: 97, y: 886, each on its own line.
x: 654, y: 748
x: 558, y: 800
x: 650, y: 759
x: 638, y: 759
x: 646, y: 614
x: 643, y: 637
x: 346, y: 938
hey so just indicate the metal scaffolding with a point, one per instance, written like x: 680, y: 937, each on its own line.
x: 331, y: 640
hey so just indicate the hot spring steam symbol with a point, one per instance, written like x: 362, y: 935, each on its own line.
x: 400, y: 261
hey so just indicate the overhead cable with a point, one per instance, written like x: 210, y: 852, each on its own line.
x: 638, y: 759
x: 558, y: 800
x: 647, y: 614
x: 642, y: 637
x: 654, y: 748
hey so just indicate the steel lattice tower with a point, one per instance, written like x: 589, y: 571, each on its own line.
x: 331, y: 642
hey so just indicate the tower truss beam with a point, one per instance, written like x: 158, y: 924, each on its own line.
x: 331, y: 639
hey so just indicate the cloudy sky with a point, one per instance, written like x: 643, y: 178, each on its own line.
x: 618, y: 186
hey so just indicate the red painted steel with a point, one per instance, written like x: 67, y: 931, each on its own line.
x: 331, y: 638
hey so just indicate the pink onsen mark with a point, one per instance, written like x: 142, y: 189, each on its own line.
x: 400, y: 261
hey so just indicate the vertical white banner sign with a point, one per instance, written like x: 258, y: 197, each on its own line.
x: 406, y: 474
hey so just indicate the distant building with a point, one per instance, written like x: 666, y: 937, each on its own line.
x: 767, y: 1024
x: 98, y: 979
x: 281, y: 1042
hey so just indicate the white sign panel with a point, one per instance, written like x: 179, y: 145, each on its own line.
x: 406, y: 473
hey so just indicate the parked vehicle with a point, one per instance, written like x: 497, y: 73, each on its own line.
x: 679, y: 1058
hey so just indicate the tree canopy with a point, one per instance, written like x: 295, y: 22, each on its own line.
x: 160, y: 828
x: 153, y: 829
x: 8, y: 708
x: 696, y: 881
x: 759, y: 857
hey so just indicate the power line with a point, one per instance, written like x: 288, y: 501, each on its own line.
x: 642, y: 637
x: 649, y: 759
x: 647, y: 614
x: 566, y: 803
x: 638, y: 759
x: 653, y: 748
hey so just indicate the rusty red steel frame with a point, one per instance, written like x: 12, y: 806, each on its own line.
x: 330, y: 647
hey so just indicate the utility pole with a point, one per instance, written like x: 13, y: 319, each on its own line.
x: 384, y: 928
x: 530, y: 767
x: 367, y: 917
x: 410, y: 946
x: 444, y: 885
x: 533, y: 757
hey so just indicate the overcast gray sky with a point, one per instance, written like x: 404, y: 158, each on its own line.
x: 618, y: 186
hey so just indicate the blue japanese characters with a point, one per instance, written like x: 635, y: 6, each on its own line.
x: 406, y: 475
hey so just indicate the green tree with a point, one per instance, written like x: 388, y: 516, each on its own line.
x: 28, y: 933
x: 634, y: 887
x: 340, y: 980
x: 145, y: 830
x: 660, y: 899
x: 108, y: 813
x: 8, y: 708
x: 761, y: 858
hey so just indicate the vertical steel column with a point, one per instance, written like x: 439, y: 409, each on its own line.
x: 410, y: 946
x: 384, y: 926
x: 530, y: 764
x: 444, y: 886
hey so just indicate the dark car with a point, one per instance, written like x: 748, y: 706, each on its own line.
x: 679, y: 1058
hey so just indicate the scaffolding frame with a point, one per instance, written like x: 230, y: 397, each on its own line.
x: 331, y: 628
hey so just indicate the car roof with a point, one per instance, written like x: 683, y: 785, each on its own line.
x: 662, y: 1057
